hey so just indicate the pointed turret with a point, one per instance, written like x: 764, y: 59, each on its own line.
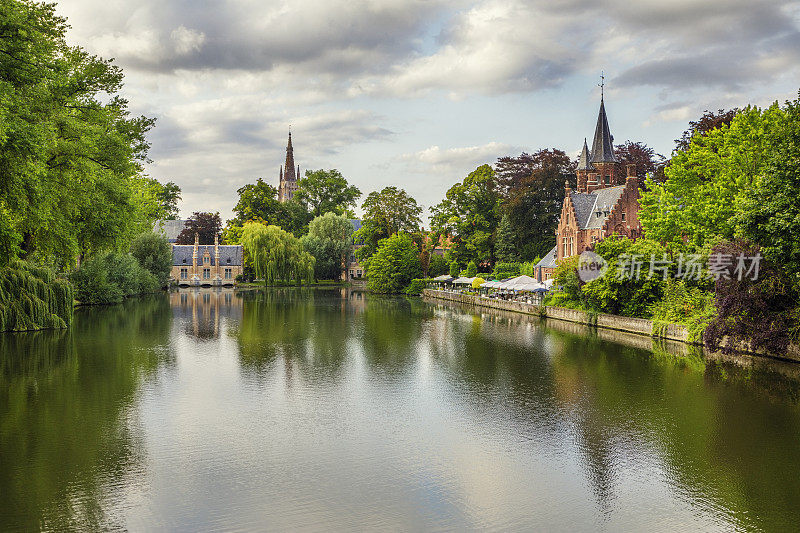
x: 603, y: 144
x: 289, y: 166
x: 583, y: 160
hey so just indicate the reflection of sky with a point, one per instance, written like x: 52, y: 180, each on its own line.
x: 319, y: 410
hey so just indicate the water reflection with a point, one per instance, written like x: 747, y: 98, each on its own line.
x: 330, y: 409
x: 66, y: 444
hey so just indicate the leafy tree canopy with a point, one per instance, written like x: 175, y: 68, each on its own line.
x: 207, y: 225
x: 328, y: 240
x: 386, y: 212
x: 327, y: 191
x: 154, y: 254
x: 394, y: 265
x: 469, y: 214
x: 277, y: 255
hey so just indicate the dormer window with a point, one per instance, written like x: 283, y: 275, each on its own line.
x: 184, y: 260
x: 229, y: 260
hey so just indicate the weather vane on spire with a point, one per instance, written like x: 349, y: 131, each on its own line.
x: 602, y: 84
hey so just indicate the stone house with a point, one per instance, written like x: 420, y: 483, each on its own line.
x: 206, y: 265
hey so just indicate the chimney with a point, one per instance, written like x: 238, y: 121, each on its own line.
x: 631, y: 172
x: 567, y: 189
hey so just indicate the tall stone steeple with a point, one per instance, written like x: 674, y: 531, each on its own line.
x: 602, y: 157
x: 584, y: 167
x: 288, y: 178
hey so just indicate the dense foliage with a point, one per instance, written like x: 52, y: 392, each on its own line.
x: 208, y: 226
x: 328, y: 240
x: 70, y: 152
x: 386, y: 212
x: 394, y: 264
x: 154, y: 254
x: 327, y: 191
x: 109, y: 277
x: 277, y: 255
x: 33, y: 298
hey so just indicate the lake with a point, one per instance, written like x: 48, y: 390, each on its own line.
x: 330, y: 409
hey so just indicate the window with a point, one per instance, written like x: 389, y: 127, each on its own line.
x: 623, y: 216
x: 229, y: 261
x: 359, y: 273
x: 228, y: 273
x: 607, y: 179
x: 184, y: 273
x: 206, y: 260
x: 206, y: 273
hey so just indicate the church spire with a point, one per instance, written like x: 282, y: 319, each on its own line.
x: 603, y: 143
x: 583, y: 160
x: 289, y: 174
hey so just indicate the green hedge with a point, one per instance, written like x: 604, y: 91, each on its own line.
x: 33, y: 298
x: 416, y: 286
x: 111, y: 277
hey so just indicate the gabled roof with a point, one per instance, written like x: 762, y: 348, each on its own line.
x: 229, y: 255
x: 549, y: 260
x: 588, y: 205
x: 583, y: 160
x: 603, y: 143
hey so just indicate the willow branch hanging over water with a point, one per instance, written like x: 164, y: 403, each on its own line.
x: 32, y: 298
x: 277, y: 255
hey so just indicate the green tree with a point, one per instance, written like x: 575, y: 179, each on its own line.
x: 259, y: 202
x: 207, y: 225
x: 533, y: 186
x: 697, y: 202
x: 394, y: 265
x: 455, y: 270
x: 327, y: 191
x: 70, y: 153
x: 386, y: 212
x: 469, y: 214
x: 770, y: 213
x: 472, y: 269
x: 154, y: 254
x: 277, y: 255
x: 438, y: 266
x: 329, y: 240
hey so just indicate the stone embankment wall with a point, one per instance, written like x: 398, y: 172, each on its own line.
x: 641, y: 326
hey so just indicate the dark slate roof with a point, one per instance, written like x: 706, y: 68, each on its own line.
x: 182, y: 254
x: 582, y: 202
x: 588, y: 205
x: 169, y: 228
x: 583, y: 160
x: 603, y: 144
x: 549, y: 260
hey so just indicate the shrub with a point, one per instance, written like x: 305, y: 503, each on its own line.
x: 506, y: 270
x: 472, y: 269
x: 416, y: 286
x: 760, y: 314
x: 477, y: 282
x: 394, y: 265
x: 154, y: 254
x: 682, y: 304
x: 32, y: 298
x: 455, y: 270
x: 110, y: 277
x: 438, y: 266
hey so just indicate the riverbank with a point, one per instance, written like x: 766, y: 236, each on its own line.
x: 637, y: 326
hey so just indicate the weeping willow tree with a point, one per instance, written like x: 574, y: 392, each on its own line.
x: 32, y: 298
x: 277, y: 254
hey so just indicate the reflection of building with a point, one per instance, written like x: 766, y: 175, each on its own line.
x: 201, y: 310
x: 206, y: 265
x: 288, y: 178
x: 604, y: 203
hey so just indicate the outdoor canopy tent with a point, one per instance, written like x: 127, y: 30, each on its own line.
x: 443, y: 278
x: 463, y: 281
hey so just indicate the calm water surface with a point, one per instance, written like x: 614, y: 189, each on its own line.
x: 334, y: 410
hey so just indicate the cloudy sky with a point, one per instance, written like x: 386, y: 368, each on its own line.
x: 417, y: 93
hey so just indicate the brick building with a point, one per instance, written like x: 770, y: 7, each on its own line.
x: 603, y: 203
